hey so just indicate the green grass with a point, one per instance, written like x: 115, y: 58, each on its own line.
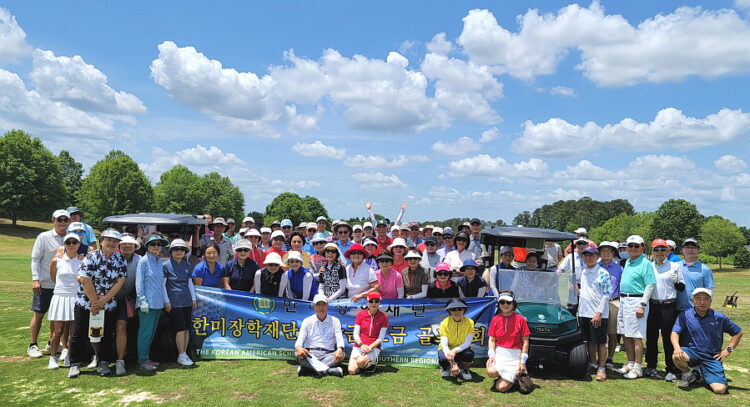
x: 25, y: 381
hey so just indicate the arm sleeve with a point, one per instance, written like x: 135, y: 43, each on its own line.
x: 139, y: 279
x: 482, y: 291
x: 400, y: 291
x: 381, y: 335
x: 467, y: 342
x: 307, y: 293
x: 191, y: 287
x: 603, y: 304
x: 355, y: 334
x: 339, y: 334
x: 444, y: 343
x: 256, y: 286
x: 647, y: 292
x: 342, y: 288
x: 709, y: 279
x: 372, y: 217
x: 283, y: 292
x: 423, y: 293
x: 164, y: 289
x: 494, y: 290
x: 400, y: 216
x: 302, y: 334
x: 460, y: 292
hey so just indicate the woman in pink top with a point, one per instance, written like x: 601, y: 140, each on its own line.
x: 390, y: 281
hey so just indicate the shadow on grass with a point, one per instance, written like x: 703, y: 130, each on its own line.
x: 21, y: 231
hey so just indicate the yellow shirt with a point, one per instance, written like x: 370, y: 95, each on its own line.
x: 456, y: 332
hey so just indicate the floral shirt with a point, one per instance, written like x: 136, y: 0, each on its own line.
x: 103, y: 273
x: 331, y: 277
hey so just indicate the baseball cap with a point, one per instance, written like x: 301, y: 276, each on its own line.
x: 505, y: 249
x: 286, y: 222
x: 447, y: 231
x: 76, y: 226
x: 248, y: 219
x: 74, y: 209
x: 319, y: 218
x: 634, y: 239
x: 475, y: 220
x: 430, y: 239
x: 581, y: 231
x: 243, y: 231
x: 394, y: 228
x: 505, y: 296
x: 671, y: 244
x: 384, y: 257
x: 590, y: 250
x: 133, y: 241
x: 691, y: 241
x: 659, y: 242
x: 405, y: 226
x: 112, y: 233
x: 442, y: 266
x: 302, y: 225
x: 253, y: 232
x: 318, y: 237
x: 367, y: 225
x: 382, y: 222
x: 413, y: 254
x: 230, y: 220
x: 374, y: 294
x: 702, y: 290
x: 60, y: 212
x: 276, y: 234
x: 244, y: 244
x: 312, y: 225
x: 294, y: 255
x: 357, y: 227
x: 72, y: 236
x: 219, y: 221
x: 320, y: 297
x: 265, y: 229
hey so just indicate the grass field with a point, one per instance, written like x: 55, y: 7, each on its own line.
x: 25, y: 381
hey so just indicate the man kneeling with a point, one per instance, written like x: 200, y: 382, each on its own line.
x: 320, y: 343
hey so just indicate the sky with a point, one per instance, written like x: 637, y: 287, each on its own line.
x: 459, y: 109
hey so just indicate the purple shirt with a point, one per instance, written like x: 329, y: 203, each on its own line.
x: 615, y: 273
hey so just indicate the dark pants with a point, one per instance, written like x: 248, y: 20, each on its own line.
x: 80, y: 341
x: 465, y: 356
x: 661, y: 318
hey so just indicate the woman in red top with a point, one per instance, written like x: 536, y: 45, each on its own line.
x: 398, y: 248
x: 370, y: 327
x: 508, y: 347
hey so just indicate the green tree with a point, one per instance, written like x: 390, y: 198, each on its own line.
x: 221, y: 197
x: 523, y: 219
x: 742, y: 258
x: 72, y: 173
x: 677, y: 219
x: 179, y: 190
x: 115, y: 185
x: 258, y: 217
x: 621, y: 226
x: 570, y: 215
x: 30, y: 183
x: 291, y: 206
x: 720, y: 237
x: 745, y: 232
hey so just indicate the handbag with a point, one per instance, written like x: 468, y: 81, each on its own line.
x: 525, y: 385
x: 130, y: 308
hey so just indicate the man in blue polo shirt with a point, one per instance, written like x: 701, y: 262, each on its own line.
x: 697, y: 338
x: 697, y: 274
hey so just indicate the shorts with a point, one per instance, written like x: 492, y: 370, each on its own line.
x: 506, y: 363
x: 181, y: 318
x: 40, y: 302
x: 372, y: 355
x: 711, y: 369
x: 614, y: 309
x: 595, y: 336
x: 627, y: 323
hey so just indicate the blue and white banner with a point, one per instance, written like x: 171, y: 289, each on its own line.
x: 239, y: 325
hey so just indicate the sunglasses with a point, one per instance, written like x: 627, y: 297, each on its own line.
x: 634, y: 246
x: 503, y: 302
x: 660, y: 249
x: 179, y: 249
x: 317, y: 243
x: 581, y: 243
x: 345, y: 232
x: 437, y: 234
x: 457, y: 309
x: 71, y: 242
x: 462, y: 240
x: 373, y: 301
x: 63, y: 220
x: 413, y: 258
x: 430, y: 244
x: 286, y: 227
x: 356, y: 254
x: 157, y: 244
x: 443, y: 273
x: 278, y: 238
x: 330, y: 251
x: 242, y: 250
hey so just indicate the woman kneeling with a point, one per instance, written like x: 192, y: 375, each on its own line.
x: 508, y: 347
x: 456, y: 333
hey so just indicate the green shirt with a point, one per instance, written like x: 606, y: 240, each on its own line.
x: 636, y: 275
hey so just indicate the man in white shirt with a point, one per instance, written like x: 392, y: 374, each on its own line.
x: 320, y: 342
x: 552, y: 253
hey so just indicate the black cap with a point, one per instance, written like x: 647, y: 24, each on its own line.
x: 385, y: 257
x: 430, y: 239
x: 462, y: 235
x: 475, y: 220
x: 382, y: 222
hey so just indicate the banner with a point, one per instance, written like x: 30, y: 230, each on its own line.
x: 239, y: 325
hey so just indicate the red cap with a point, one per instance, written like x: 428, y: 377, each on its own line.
x: 659, y: 242
x: 374, y: 294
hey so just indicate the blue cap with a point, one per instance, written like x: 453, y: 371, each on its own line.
x: 152, y: 238
x: 286, y: 222
x: 74, y: 209
x: 469, y: 263
x: 447, y: 231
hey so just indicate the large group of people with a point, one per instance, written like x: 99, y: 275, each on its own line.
x: 135, y: 278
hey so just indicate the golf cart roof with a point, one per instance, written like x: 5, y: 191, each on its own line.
x: 154, y: 219
x: 521, y: 236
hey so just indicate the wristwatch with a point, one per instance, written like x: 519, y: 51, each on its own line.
x: 730, y: 349
x: 644, y: 305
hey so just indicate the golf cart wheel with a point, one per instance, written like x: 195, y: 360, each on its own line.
x: 578, y: 361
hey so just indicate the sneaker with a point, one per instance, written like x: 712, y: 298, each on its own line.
x: 466, y: 374
x: 335, y: 371
x: 601, y: 375
x: 34, y: 352
x: 184, y: 360
x: 649, y: 372
x: 74, y: 371
x: 120, y: 368
x: 104, y: 369
x: 371, y: 368
x: 618, y: 348
x: 47, y: 348
x: 148, y: 366
x: 686, y: 380
x: 634, y: 373
x: 609, y: 365
x: 53, y: 363
x: 670, y: 377
x: 65, y: 357
x: 445, y: 373
x: 94, y: 363
x: 299, y: 371
x: 624, y: 369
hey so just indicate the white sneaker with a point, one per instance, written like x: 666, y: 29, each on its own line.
x: 65, y: 357
x: 184, y: 360
x: 47, y: 348
x: 624, y: 369
x: 686, y: 380
x: 466, y: 374
x: 634, y: 373
x: 670, y: 377
x: 74, y: 371
x: 445, y: 373
x: 34, y: 352
x: 120, y: 368
x: 53, y: 363
x: 618, y: 348
x: 94, y: 363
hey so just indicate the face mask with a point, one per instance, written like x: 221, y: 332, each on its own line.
x: 624, y: 255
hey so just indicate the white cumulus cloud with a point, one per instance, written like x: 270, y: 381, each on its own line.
x: 730, y: 164
x: 378, y: 180
x: 483, y: 165
x: 12, y: 38
x: 462, y: 146
x: 377, y: 161
x: 563, y: 91
x: 318, y: 149
x: 489, y: 135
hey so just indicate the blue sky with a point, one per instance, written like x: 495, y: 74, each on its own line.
x: 457, y: 108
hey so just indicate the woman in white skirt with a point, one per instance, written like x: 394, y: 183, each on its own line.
x: 63, y: 271
x: 508, y: 347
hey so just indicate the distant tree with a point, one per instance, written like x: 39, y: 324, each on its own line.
x: 221, y: 197
x: 570, y: 215
x: 291, y: 206
x: 742, y: 258
x: 72, y: 173
x: 745, y: 232
x: 179, y: 190
x: 314, y: 208
x: 621, y: 226
x: 115, y: 185
x: 677, y: 219
x: 523, y: 219
x: 30, y: 182
x: 720, y: 237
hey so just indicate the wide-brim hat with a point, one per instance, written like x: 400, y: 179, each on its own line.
x: 133, y: 241
x: 343, y: 224
x: 397, y: 242
x: 356, y: 247
x: 152, y: 238
x: 456, y: 303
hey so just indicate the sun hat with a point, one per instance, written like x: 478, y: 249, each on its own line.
x: 405, y: 226
x: 384, y: 257
x: 152, y: 238
x: 219, y: 221
x: 369, y: 242
x: 230, y: 220
x: 111, y: 233
x: 253, y: 232
x: 133, y: 241
x: 611, y: 245
x: 277, y: 233
x: 397, y: 242
x: 311, y: 226
x: 448, y: 231
x: 394, y: 228
x: 332, y: 245
x: 343, y: 224
x: 456, y: 303
x: 319, y: 237
x: 469, y: 263
x: 294, y: 255
x: 243, y: 243
x: 354, y: 248
x: 505, y: 249
x: 273, y: 258
x: 505, y: 296
x: 248, y: 219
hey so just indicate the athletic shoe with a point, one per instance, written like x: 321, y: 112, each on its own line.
x: 649, y: 372
x: 299, y: 371
x: 670, y: 377
x: 466, y: 374
x: 120, y: 368
x: 610, y: 365
x: 34, y: 352
x: 148, y: 366
x: 601, y: 375
x: 74, y: 371
x: 53, y: 363
x: 104, y: 369
x: 47, y: 348
x: 618, y: 348
x: 65, y: 357
x: 634, y: 373
x: 335, y: 371
x: 184, y: 360
x: 370, y: 369
x: 624, y: 369
x: 686, y: 380
x: 94, y: 363
x: 445, y: 373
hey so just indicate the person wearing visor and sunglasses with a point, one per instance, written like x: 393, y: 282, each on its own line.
x: 456, y: 334
x: 181, y: 294
x: 63, y: 272
x: 370, y: 327
x: 508, y: 347
x: 151, y: 291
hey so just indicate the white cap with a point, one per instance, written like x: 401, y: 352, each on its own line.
x: 294, y: 255
x: 273, y: 258
x: 243, y: 231
x: 244, y: 243
x: 253, y: 232
x: 357, y: 227
x: 672, y: 244
x: 505, y: 296
x: 369, y: 242
x: 265, y: 229
x: 702, y: 290
x: 437, y: 229
x: 276, y: 234
x: 175, y: 243
x: 367, y: 225
x: 397, y: 242
x: 76, y: 226
x: 132, y: 240
x: 219, y: 221
x: 72, y: 236
x: 405, y: 226
x: 312, y: 225
x: 320, y: 297
x: 505, y: 249
x: 581, y: 231
x: 60, y: 212
x: 113, y: 233
x: 302, y: 225
x: 394, y: 227
x: 248, y: 219
x: 634, y: 239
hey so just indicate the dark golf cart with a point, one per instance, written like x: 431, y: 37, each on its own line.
x: 169, y: 224
x: 543, y: 297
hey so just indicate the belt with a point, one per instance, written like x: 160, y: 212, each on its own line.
x: 322, y: 349
x: 631, y: 295
x: 663, y: 302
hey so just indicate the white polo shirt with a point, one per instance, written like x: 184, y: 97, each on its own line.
x: 665, y: 289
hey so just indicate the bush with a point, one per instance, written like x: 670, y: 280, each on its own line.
x: 707, y: 259
x: 742, y: 258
